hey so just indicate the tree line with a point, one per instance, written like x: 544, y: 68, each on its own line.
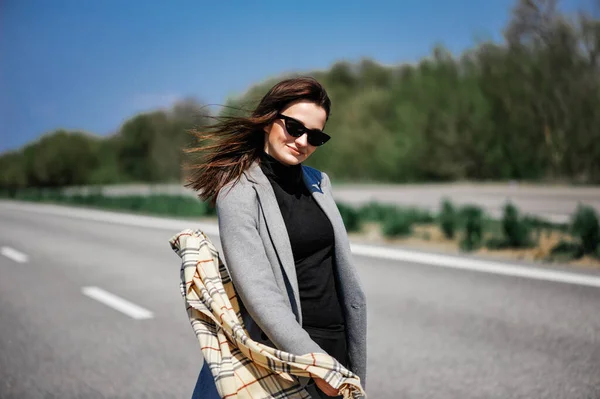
x: 147, y: 148
x: 526, y: 109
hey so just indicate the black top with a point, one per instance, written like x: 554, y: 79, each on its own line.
x: 312, y: 241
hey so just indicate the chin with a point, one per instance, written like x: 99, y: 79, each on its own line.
x: 292, y: 160
x: 290, y: 157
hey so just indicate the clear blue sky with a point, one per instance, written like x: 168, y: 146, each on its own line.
x: 91, y: 64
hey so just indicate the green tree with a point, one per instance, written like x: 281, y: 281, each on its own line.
x: 60, y: 159
x: 150, y: 146
x: 13, y: 174
x: 525, y: 109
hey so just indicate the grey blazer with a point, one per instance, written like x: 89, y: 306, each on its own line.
x: 257, y: 253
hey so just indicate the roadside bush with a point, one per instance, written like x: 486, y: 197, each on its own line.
x: 542, y: 224
x: 585, y: 227
x: 397, y: 224
x: 350, y: 216
x: 566, y: 251
x: 447, y: 219
x: 375, y: 212
x: 517, y: 232
x: 473, y: 228
x: 495, y: 243
x: 417, y: 215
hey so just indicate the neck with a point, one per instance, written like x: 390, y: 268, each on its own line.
x: 284, y: 174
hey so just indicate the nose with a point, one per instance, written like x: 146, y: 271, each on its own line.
x: 302, y: 141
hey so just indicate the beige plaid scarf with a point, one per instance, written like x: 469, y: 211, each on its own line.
x: 241, y: 367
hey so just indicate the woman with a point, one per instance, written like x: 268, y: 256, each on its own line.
x: 283, y: 239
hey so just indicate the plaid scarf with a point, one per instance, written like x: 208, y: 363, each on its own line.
x: 242, y: 367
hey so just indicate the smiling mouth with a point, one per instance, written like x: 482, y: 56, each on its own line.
x: 295, y: 150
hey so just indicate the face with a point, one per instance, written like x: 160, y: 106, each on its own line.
x: 285, y: 148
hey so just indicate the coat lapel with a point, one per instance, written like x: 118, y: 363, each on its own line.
x: 275, y: 225
x: 322, y: 194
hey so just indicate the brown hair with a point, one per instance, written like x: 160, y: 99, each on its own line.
x: 231, y: 145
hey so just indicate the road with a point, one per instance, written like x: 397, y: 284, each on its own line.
x: 555, y: 203
x: 434, y: 332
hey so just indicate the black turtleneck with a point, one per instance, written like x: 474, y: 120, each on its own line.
x: 312, y: 242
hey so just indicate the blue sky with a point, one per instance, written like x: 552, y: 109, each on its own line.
x: 91, y: 64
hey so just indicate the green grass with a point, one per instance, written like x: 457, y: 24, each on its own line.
x: 469, y: 223
x: 164, y: 205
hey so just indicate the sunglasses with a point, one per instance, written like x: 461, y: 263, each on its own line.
x: 295, y: 128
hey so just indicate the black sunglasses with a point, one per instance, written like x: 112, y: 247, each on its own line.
x: 295, y: 128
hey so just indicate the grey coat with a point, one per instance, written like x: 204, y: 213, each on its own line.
x: 258, y: 256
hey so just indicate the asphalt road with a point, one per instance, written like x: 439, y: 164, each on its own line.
x: 434, y: 332
x: 556, y: 203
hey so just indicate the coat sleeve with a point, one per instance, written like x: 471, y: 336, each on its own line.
x: 251, y: 272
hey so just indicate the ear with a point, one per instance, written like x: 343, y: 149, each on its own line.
x: 269, y: 126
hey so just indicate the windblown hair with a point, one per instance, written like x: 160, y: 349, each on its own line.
x: 230, y: 146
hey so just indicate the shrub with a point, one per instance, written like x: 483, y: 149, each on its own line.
x: 350, y: 217
x: 447, y: 219
x: 537, y: 222
x: 566, y: 251
x: 374, y: 211
x: 417, y: 215
x: 496, y: 243
x: 586, y: 228
x: 397, y: 224
x: 473, y: 225
x: 516, y: 230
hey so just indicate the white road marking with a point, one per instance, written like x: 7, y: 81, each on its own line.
x: 477, y: 265
x: 130, y: 309
x: 14, y: 254
x: 440, y: 260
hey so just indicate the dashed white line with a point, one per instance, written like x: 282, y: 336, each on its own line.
x: 476, y: 265
x: 130, y: 309
x: 13, y: 254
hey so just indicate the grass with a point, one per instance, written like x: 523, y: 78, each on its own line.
x: 164, y: 205
x: 466, y: 228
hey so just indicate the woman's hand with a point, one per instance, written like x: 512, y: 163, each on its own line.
x: 325, y: 387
